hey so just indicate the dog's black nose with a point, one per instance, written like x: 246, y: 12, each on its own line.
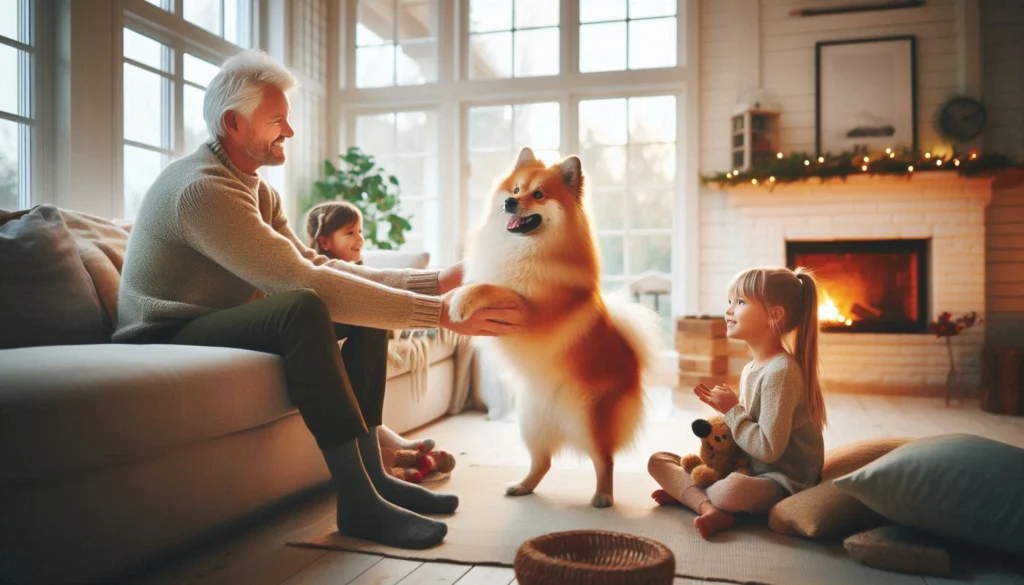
x: 511, y: 204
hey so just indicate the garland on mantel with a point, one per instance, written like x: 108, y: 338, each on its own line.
x: 802, y: 166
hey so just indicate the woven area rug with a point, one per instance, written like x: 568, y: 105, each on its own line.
x: 489, y: 527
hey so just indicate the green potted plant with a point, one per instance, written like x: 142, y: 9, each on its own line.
x: 361, y: 181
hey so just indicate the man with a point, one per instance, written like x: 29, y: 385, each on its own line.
x: 211, y: 240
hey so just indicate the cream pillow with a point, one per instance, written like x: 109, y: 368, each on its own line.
x: 823, y: 511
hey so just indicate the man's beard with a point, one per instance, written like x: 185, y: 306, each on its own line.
x: 262, y: 152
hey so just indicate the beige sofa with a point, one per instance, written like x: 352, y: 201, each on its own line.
x: 113, y: 454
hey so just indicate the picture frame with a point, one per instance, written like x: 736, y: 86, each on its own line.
x: 865, y: 94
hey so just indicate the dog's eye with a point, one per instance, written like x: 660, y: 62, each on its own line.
x: 538, y: 195
x: 515, y: 191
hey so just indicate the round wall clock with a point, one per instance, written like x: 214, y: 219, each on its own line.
x: 962, y: 118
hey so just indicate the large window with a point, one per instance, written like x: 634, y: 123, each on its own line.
x: 164, y: 80
x: 396, y: 42
x: 405, y: 144
x: 616, y: 99
x: 17, y: 55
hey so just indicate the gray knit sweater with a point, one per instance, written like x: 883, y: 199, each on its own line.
x: 210, y: 237
x: 772, y: 425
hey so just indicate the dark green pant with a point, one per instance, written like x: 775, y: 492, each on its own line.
x: 337, y: 393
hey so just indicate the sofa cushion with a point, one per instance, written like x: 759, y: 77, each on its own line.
x: 958, y: 485
x: 67, y: 409
x: 48, y: 297
x: 396, y: 259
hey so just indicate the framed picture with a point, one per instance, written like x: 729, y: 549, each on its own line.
x: 866, y: 94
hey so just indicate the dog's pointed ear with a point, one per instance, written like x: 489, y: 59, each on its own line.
x: 572, y: 173
x: 525, y: 156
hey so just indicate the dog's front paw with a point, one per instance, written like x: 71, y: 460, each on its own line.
x: 518, y: 489
x: 601, y: 500
x: 459, y: 308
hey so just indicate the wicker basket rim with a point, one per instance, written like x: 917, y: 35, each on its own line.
x: 664, y: 553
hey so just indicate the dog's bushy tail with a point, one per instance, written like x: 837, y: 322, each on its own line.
x: 642, y: 329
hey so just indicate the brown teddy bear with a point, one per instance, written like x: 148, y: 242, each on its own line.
x: 719, y: 454
x: 414, y: 466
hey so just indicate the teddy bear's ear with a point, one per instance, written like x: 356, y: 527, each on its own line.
x: 701, y: 428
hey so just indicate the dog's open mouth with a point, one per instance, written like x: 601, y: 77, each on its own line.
x: 522, y: 225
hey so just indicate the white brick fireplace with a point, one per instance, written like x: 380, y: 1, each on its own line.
x: 749, y: 226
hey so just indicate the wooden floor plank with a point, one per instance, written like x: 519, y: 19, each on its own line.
x: 481, y: 575
x: 436, y: 574
x: 334, y: 568
x: 386, y: 572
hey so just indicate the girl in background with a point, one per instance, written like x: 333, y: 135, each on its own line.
x: 779, y: 415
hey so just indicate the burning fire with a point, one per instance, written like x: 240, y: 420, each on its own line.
x: 829, y: 313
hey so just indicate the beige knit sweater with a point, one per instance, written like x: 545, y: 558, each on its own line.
x: 210, y: 237
x: 772, y: 425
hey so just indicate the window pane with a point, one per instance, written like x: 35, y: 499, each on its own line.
x: 416, y: 20
x: 375, y: 66
x: 537, y: 126
x: 14, y: 67
x: 652, y: 43
x: 651, y: 209
x: 607, y: 207
x: 490, y: 56
x: 140, y: 169
x: 145, y: 50
x: 417, y: 62
x: 490, y: 15
x: 164, y: 4
x: 602, y: 47
x: 195, y: 127
x: 9, y: 166
x: 236, y: 22
x: 536, y: 13
x: 611, y: 254
x: 484, y: 169
x: 204, y: 14
x: 375, y: 134
x: 376, y: 23
x: 604, y: 166
x: 198, y: 71
x: 11, y: 17
x: 144, y: 107
x: 536, y: 52
x: 417, y: 176
x: 490, y: 126
x: 652, y: 119
x: 652, y: 164
x: 602, y: 10
x: 648, y: 8
x: 416, y: 132
x: 650, y: 253
x: 603, y: 122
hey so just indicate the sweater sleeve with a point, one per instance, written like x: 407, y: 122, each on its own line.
x: 420, y: 281
x: 223, y: 222
x: 766, y: 437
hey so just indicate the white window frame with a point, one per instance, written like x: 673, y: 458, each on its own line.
x: 455, y: 93
x: 171, y: 29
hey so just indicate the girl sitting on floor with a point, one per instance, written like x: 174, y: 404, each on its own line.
x: 778, y: 417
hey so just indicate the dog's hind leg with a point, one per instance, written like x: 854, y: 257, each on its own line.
x: 604, y: 466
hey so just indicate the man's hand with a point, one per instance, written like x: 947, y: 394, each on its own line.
x: 502, y: 318
x: 722, y: 398
x: 449, y: 279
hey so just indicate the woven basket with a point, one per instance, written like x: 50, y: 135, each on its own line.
x: 594, y: 557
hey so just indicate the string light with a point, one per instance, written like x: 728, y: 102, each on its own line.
x: 974, y: 155
x: 866, y: 159
x: 728, y: 175
x: 892, y: 154
x: 753, y: 181
x: 888, y: 151
x: 911, y: 168
x: 956, y: 163
x: 807, y: 163
x: 938, y: 163
x: 927, y: 155
x: 864, y: 167
x: 772, y: 179
x: 779, y: 155
x: 821, y: 159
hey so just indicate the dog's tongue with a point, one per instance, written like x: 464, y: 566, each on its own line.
x: 514, y: 223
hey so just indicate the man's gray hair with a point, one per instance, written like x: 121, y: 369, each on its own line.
x: 238, y: 87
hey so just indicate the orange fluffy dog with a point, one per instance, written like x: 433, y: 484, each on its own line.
x: 580, y: 358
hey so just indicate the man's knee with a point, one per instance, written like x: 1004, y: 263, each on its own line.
x: 306, y: 305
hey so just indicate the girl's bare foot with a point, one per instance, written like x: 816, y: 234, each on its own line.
x: 712, y: 520
x: 664, y: 499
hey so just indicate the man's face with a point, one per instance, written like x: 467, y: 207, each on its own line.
x: 263, y: 135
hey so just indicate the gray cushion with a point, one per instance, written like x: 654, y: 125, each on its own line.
x: 67, y: 409
x: 46, y: 294
x: 960, y: 486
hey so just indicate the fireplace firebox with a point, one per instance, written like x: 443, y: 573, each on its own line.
x: 868, y: 286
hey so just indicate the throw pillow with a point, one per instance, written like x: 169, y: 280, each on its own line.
x: 959, y: 485
x: 823, y: 511
x: 898, y: 548
x: 47, y: 294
